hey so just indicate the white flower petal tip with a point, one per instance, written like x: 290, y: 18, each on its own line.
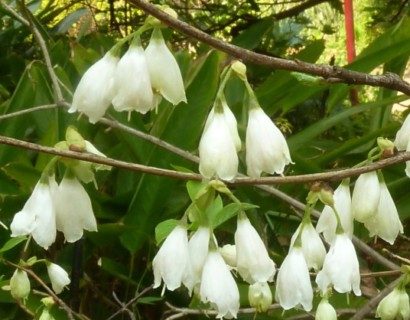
x: 218, y: 287
x: 164, y: 70
x: 293, y: 286
x: 266, y: 147
x: 95, y: 90
x: 252, y: 258
x: 366, y: 196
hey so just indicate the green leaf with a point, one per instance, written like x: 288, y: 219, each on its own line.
x: 229, y: 212
x: 163, y: 229
x: 64, y: 25
x: 10, y: 244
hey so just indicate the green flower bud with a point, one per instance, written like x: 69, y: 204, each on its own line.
x: 240, y: 69
x: 20, y: 284
x: 260, y: 296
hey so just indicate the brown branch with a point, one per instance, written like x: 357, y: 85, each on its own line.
x: 388, y: 80
x: 326, y: 176
x: 298, y: 9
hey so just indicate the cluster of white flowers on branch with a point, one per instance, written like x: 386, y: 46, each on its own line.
x: 134, y: 82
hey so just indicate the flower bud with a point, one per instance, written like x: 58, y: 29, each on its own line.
x: 45, y: 315
x: 325, y: 311
x: 260, y: 296
x: 394, y: 306
x: 240, y: 69
x: 228, y: 253
x: 20, y: 284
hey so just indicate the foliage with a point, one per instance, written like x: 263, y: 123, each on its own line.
x: 324, y: 132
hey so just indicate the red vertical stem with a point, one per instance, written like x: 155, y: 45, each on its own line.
x: 349, y: 26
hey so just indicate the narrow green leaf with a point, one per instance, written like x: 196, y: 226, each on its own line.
x: 10, y: 244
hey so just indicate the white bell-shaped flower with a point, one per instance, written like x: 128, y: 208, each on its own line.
x: 408, y: 162
x: 325, y: 311
x: 164, y: 70
x: 385, y: 223
x: 217, y: 151
x: 403, y: 135
x: 228, y: 253
x: 171, y: 263
x: 293, y: 286
x: 312, y: 246
x: 230, y: 121
x: 95, y: 91
x: 198, y: 252
x: 132, y: 83
x: 394, y: 306
x: 366, y: 196
x: 58, y: 277
x: 252, y: 258
x: 266, y: 147
x: 38, y: 216
x: 341, y: 267
x: 74, y: 212
x: 20, y: 284
x: 327, y: 220
x: 218, y: 287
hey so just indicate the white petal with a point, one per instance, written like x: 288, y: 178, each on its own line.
x: 403, y: 135
x: 385, y: 223
x: 164, y: 70
x: 217, y: 150
x: 366, y: 196
x: 198, y: 251
x: 219, y: 287
x: 293, y: 286
x: 341, y: 267
x: 266, y: 147
x: 74, y: 212
x: 252, y: 258
x: 132, y: 83
x: 171, y: 263
x: 95, y: 91
x: 58, y: 277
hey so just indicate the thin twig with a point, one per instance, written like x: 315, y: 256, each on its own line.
x: 32, y: 274
x: 124, y: 307
x: 28, y: 110
x: 14, y: 13
x: 43, y: 46
x: 388, y: 80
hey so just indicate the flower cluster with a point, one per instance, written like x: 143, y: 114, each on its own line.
x: 266, y: 147
x: 65, y: 207
x: 136, y: 81
x: 201, y: 267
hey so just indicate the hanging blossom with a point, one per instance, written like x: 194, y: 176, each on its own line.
x: 38, y: 216
x: 341, y: 267
x: 74, y: 212
x: 327, y: 220
x: 58, y: 277
x: 385, y: 223
x: 293, y: 286
x: 266, y: 147
x: 171, y: 263
x: 313, y: 248
x: 218, y: 287
x: 252, y: 258
x: 366, y: 196
x: 95, y: 91
x: 394, y: 306
x: 164, y: 71
x: 132, y: 83
x: 217, y: 150
x: 198, y: 252
x: 402, y: 141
